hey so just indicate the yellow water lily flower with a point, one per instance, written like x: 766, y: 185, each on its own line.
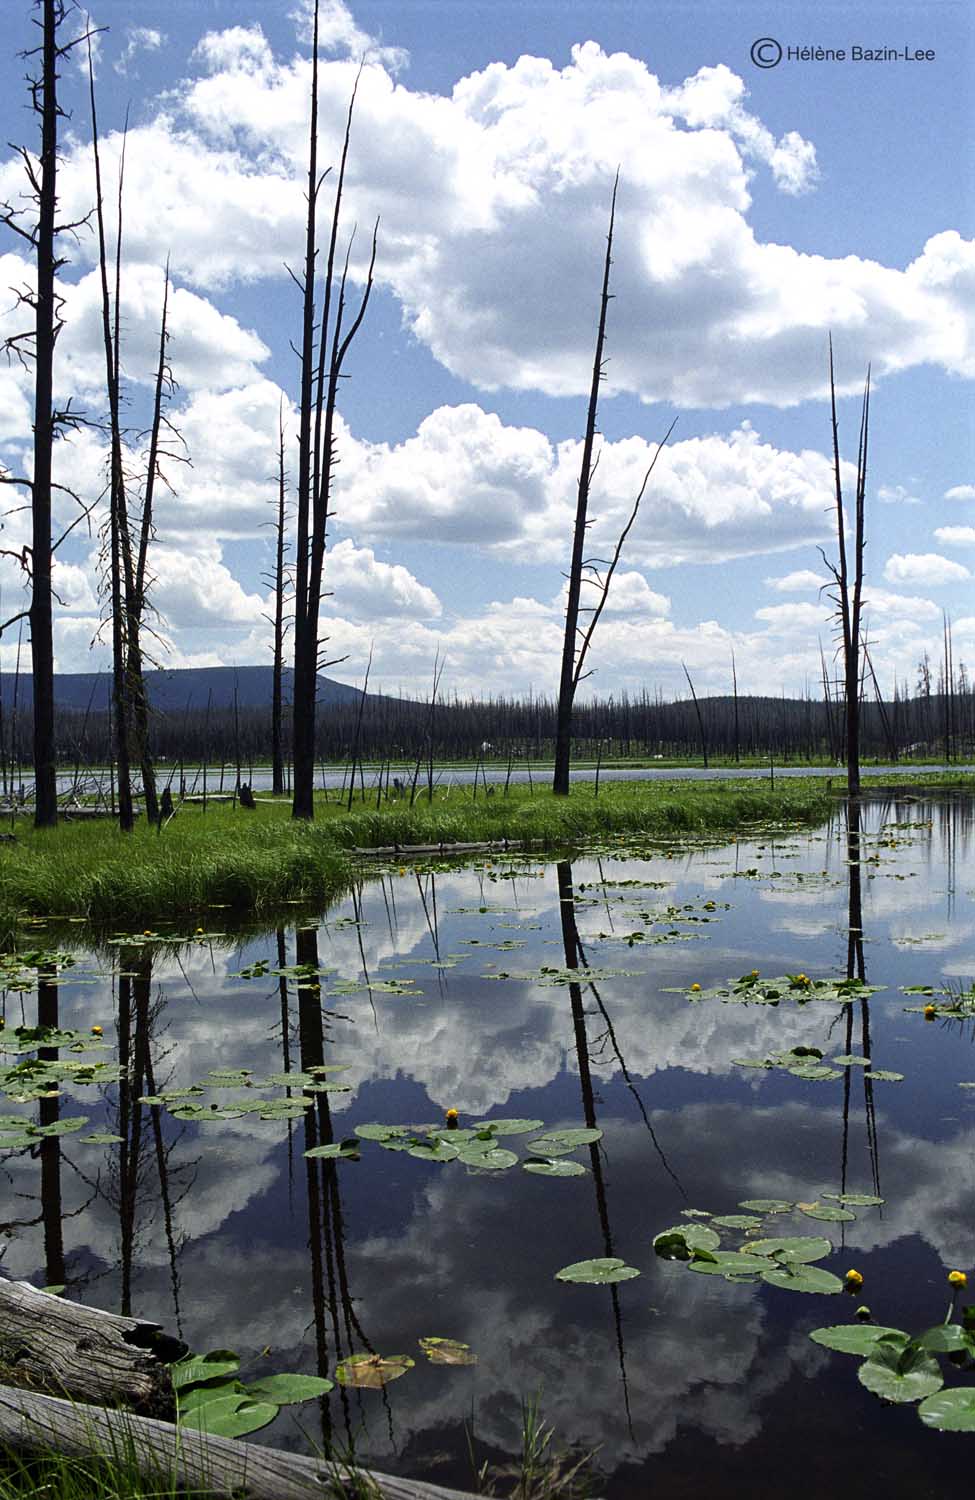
x: 957, y: 1278
x: 96, y: 1031
x: 929, y: 1012
x: 452, y: 1114
x: 854, y: 1280
x: 695, y: 987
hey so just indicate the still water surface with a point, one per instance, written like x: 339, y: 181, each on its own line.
x: 435, y: 998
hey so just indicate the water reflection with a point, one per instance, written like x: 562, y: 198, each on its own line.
x: 445, y: 988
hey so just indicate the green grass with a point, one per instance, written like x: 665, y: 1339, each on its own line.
x: 253, y: 862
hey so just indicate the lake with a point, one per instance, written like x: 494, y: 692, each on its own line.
x: 564, y: 993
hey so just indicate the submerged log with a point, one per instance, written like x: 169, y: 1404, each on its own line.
x: 83, y: 1352
x: 218, y: 1467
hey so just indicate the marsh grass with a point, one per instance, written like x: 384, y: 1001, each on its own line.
x: 251, y: 862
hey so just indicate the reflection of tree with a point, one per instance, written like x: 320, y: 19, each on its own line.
x: 332, y: 1303
x: 856, y: 969
x: 141, y: 1177
x: 573, y: 954
x: 50, y: 1151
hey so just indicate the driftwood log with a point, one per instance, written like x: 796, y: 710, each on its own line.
x: 83, y: 1352
x: 217, y: 1467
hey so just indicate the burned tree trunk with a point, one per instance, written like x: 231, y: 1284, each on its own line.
x: 316, y: 442
x: 567, y: 677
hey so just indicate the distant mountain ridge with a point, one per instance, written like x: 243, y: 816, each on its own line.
x: 176, y: 690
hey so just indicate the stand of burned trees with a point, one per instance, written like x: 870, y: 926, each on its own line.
x: 324, y: 345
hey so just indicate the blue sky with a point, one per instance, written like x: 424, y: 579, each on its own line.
x: 759, y: 208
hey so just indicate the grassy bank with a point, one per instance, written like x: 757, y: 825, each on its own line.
x: 251, y: 862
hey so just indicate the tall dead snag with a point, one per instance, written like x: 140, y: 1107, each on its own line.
x: 324, y: 345
x: 279, y: 581
x: 38, y: 344
x: 138, y: 604
x: 576, y: 642
x: 119, y: 539
x: 849, y: 595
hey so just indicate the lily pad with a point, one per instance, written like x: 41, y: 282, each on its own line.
x: 447, y: 1352
x: 828, y: 1212
x: 798, y: 1248
x: 737, y: 1221
x: 899, y: 1373
x: 728, y: 1263
x: 767, y: 1205
x: 288, y: 1390
x: 884, y: 1075
x: 372, y: 1371
x: 347, y: 1150
x: 599, y: 1272
x: 230, y: 1416
x: 496, y: 1160
x: 695, y: 1236
x: 856, y: 1338
x: 561, y: 1142
x: 802, y: 1278
x: 509, y: 1127
x: 563, y: 1167
x: 949, y: 1411
x: 947, y: 1338
x: 856, y: 1200
x: 435, y: 1150
x: 198, y: 1369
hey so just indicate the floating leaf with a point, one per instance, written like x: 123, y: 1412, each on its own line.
x: 435, y: 1150
x: 856, y: 1200
x: 230, y: 1416
x: 851, y: 1060
x: 197, y: 1369
x: 61, y: 1127
x: 563, y: 1167
x: 900, y: 1373
x: 855, y: 1338
x: 827, y: 1212
x: 672, y: 1245
x: 101, y: 1138
x: 599, y: 1272
x: 946, y: 1338
x: 372, y: 1371
x: 447, y: 1352
x: 950, y: 1411
x: 737, y: 1221
x: 287, y: 1390
x: 374, y: 1132
x: 815, y: 1072
x: 561, y: 1142
x: 884, y: 1075
x: 496, y: 1160
x: 509, y: 1127
x: 347, y: 1150
x: 729, y: 1263
x: 800, y: 1248
x: 696, y: 1236
x: 767, y: 1205
x: 802, y: 1278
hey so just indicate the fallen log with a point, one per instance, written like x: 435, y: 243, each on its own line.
x: 83, y: 1352
x: 219, y: 1467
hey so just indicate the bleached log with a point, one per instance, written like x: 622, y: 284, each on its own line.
x: 223, y: 1468
x: 88, y: 1354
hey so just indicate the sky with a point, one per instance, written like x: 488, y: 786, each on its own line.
x: 760, y: 209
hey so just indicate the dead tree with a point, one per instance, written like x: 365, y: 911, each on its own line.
x: 324, y: 345
x: 279, y: 582
x: 37, y: 345
x: 848, y: 597
x: 119, y: 539
x: 575, y: 642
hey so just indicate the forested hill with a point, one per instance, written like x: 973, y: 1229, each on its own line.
x: 176, y: 690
